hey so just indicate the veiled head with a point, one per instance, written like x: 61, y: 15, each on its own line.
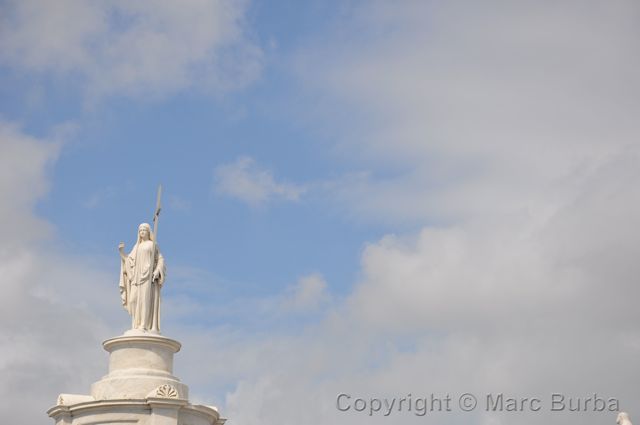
x: 144, y: 232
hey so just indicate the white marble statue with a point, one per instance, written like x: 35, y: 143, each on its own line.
x: 142, y: 274
x: 623, y: 419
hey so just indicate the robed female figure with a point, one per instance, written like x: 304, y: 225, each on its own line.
x: 142, y: 274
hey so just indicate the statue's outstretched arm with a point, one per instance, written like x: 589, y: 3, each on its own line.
x: 121, y: 251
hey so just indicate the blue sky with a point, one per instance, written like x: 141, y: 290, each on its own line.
x: 409, y: 197
x: 121, y: 147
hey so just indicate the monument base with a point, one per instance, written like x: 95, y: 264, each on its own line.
x: 139, y: 389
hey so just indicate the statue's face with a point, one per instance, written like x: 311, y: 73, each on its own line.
x: 144, y: 233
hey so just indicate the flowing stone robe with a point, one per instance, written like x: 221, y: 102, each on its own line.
x: 140, y: 294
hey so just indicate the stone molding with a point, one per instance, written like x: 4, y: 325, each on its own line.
x: 96, y: 407
x: 153, y: 339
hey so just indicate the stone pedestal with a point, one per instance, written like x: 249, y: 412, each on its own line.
x: 140, y: 388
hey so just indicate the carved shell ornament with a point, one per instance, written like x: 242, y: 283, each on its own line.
x: 167, y: 391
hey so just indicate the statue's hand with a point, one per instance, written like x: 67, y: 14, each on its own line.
x: 121, y: 247
x: 156, y: 275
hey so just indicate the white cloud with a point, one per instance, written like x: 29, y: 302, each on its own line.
x: 23, y: 164
x: 131, y: 48
x: 53, y: 308
x: 245, y: 180
x: 308, y: 294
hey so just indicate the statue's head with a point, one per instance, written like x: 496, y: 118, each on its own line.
x: 144, y: 232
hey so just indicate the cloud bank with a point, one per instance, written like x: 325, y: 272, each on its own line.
x: 132, y: 48
x: 510, y: 135
x: 53, y: 312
